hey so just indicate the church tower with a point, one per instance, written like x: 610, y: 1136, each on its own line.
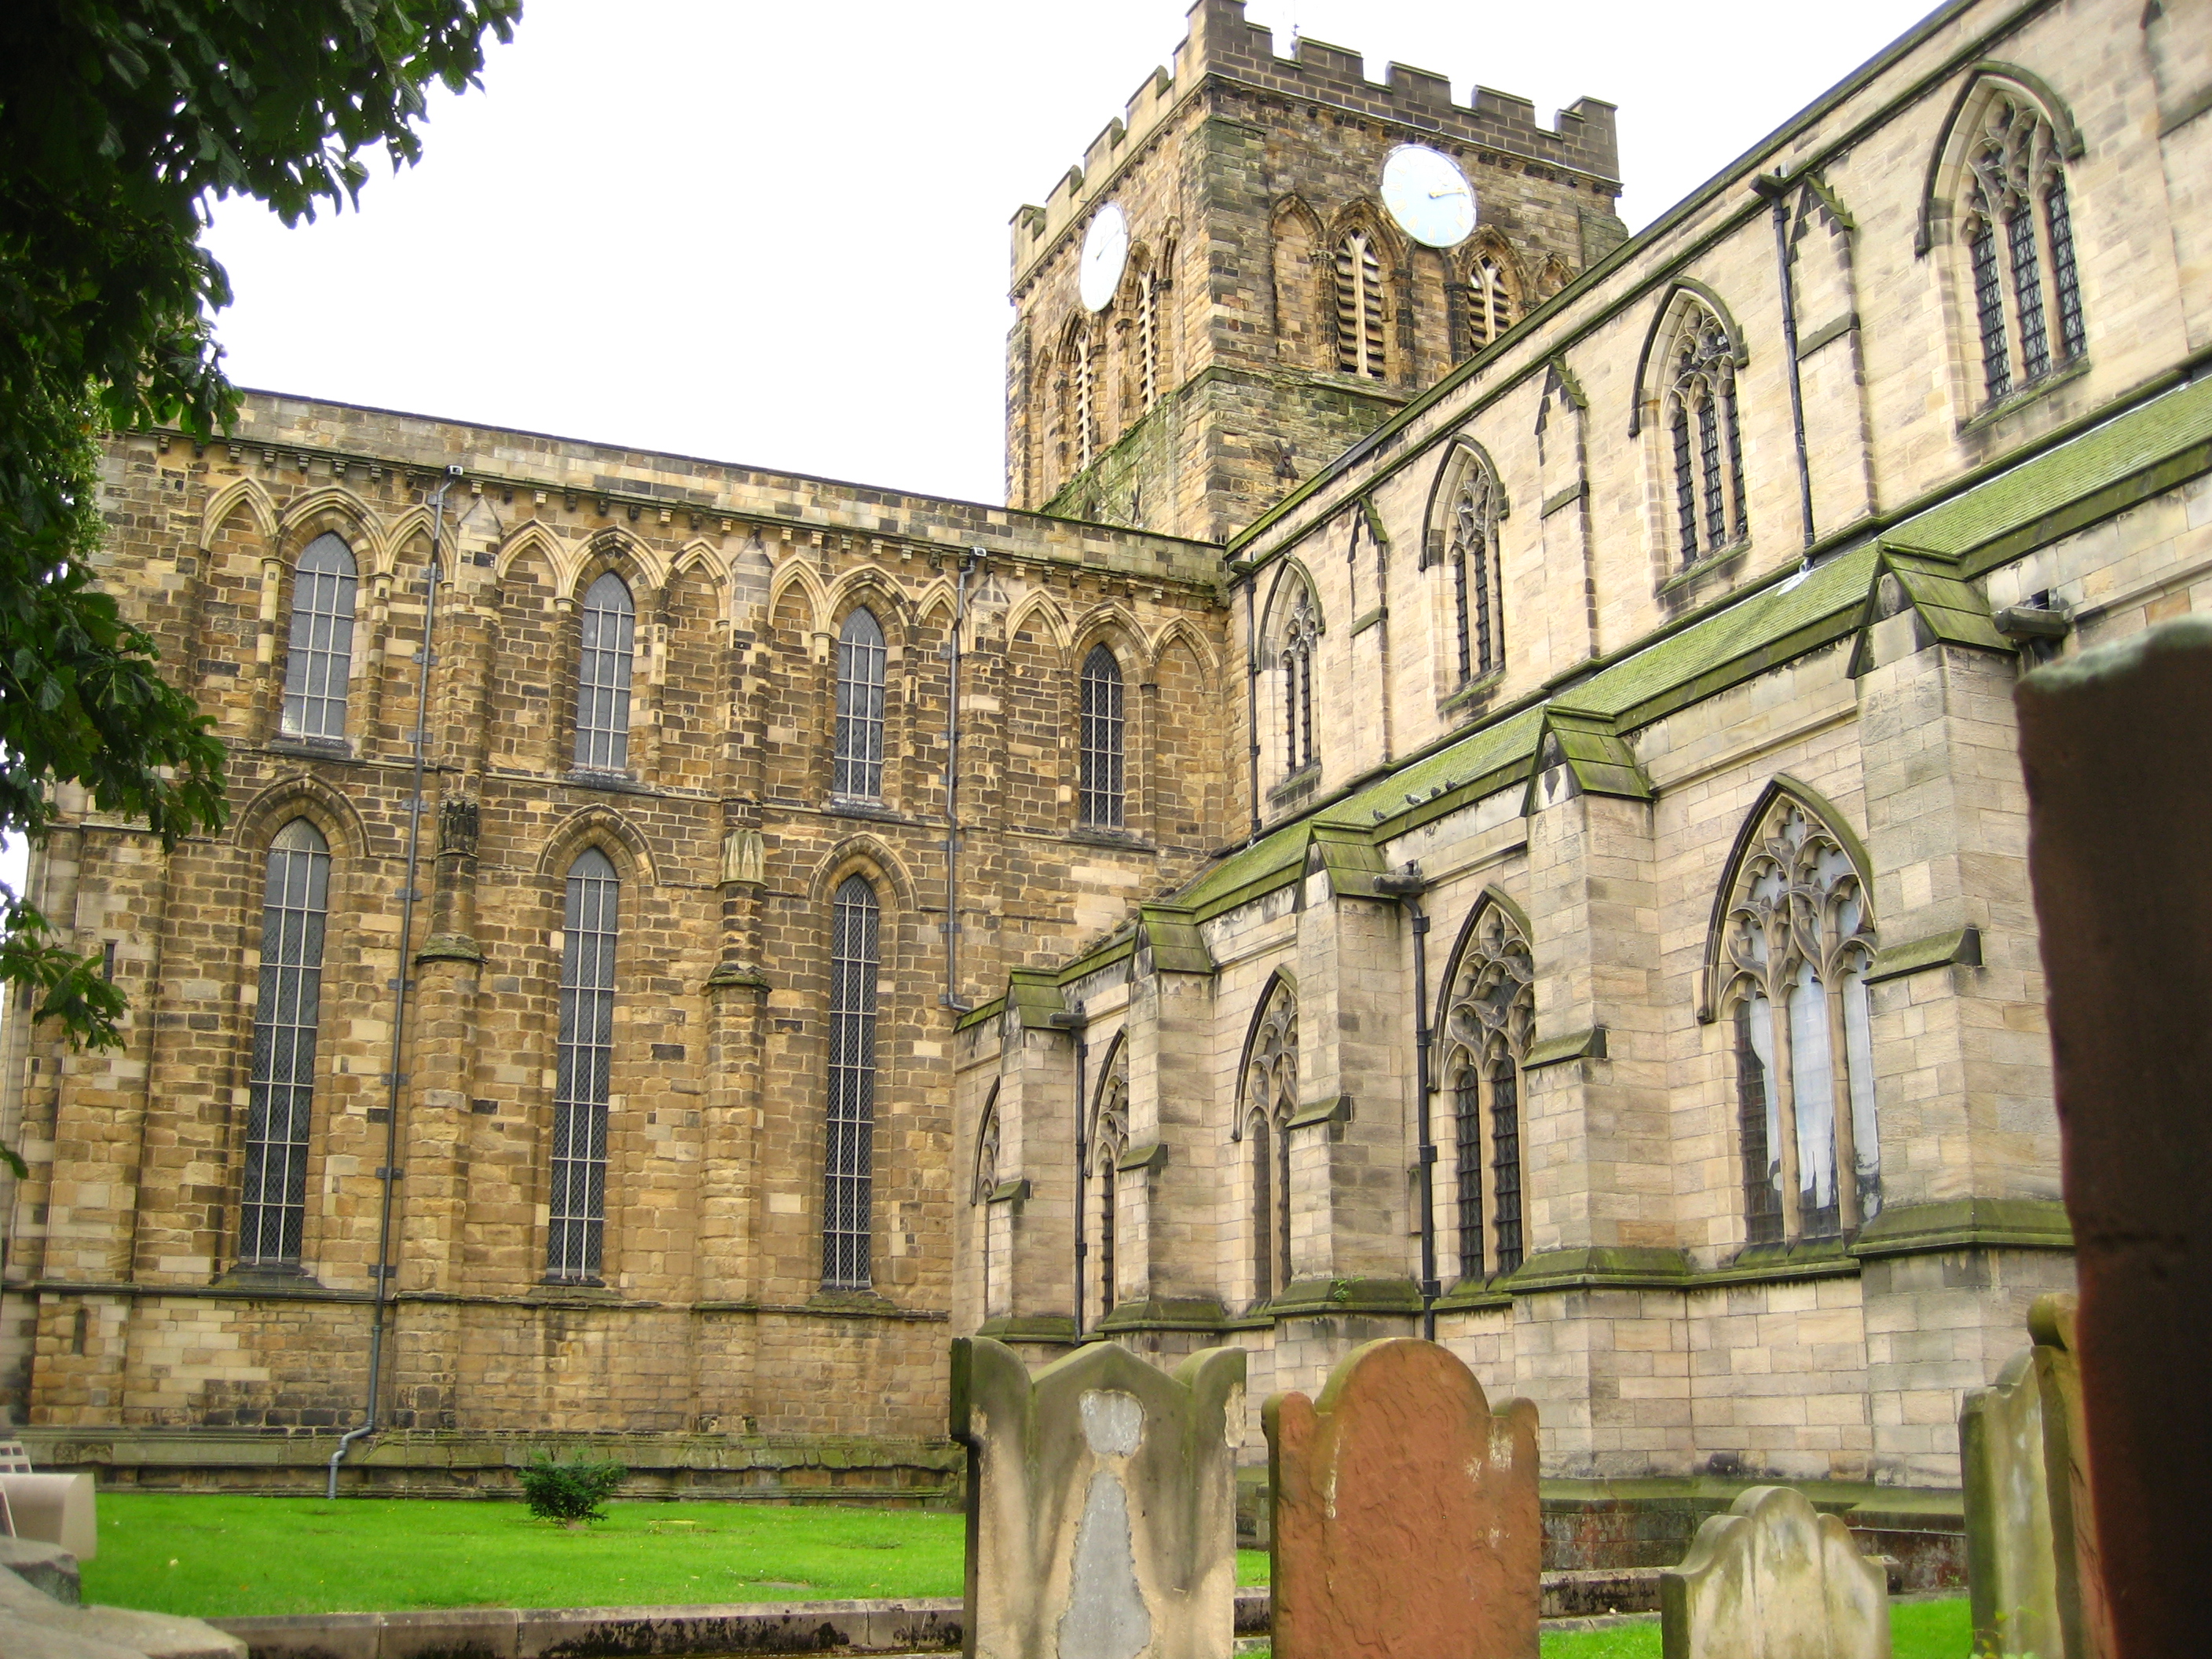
x: 1266, y: 257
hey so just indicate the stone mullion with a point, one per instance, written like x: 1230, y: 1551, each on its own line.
x: 1785, y: 1106
x: 1839, y: 1090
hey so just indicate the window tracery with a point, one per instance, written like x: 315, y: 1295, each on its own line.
x: 574, y: 1238
x: 1301, y: 632
x: 1701, y: 423
x: 1109, y: 1140
x: 1359, y: 306
x: 1798, y: 942
x: 1101, y: 740
x: 1271, y: 1094
x: 1490, y: 1013
x: 319, y: 661
x: 1478, y: 599
x: 287, y: 1020
x: 2015, y: 195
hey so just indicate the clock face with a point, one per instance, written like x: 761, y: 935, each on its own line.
x: 1428, y: 196
x: 1105, y: 250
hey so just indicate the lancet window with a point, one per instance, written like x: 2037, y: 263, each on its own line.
x: 1798, y: 942
x: 1489, y: 1012
x: 858, y: 771
x: 2019, y: 232
x: 603, y: 676
x: 1359, y: 306
x: 1702, y: 430
x: 849, y: 1173
x: 1109, y: 1138
x: 1082, y: 394
x: 1471, y: 557
x: 575, y: 1238
x: 286, y: 1018
x: 1271, y: 1094
x: 1101, y: 746
x: 987, y: 1182
x: 1301, y: 633
x: 319, y: 661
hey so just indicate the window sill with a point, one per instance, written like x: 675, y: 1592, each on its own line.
x: 618, y: 783
x: 1097, y: 835
x: 1683, y: 585
x: 1297, y: 785
x: 1474, y: 696
x: 2033, y: 392
x: 289, y: 743
x: 847, y: 806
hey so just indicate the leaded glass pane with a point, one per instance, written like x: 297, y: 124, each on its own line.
x: 1813, y: 1102
x: 286, y: 1016
x: 603, y: 675
x: 319, y: 661
x: 1466, y: 1125
x: 1101, y: 737
x: 848, y: 1163
x: 859, y: 769
x: 1505, y: 1159
x: 584, y: 1069
x: 1758, y: 1117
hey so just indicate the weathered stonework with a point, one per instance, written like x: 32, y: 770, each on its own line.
x: 1773, y: 1577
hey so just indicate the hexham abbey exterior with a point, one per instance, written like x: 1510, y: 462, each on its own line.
x: 1472, y: 782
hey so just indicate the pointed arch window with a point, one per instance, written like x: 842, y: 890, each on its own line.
x: 1083, y: 393
x: 1101, y: 742
x: 1301, y: 633
x: 576, y: 1239
x: 1109, y: 1140
x: 1271, y: 1094
x: 1359, y: 306
x: 1489, y: 1012
x: 319, y: 661
x: 2019, y: 232
x: 286, y: 1018
x: 987, y: 1184
x: 849, y: 1173
x: 1798, y: 942
x: 1707, y: 445
x: 1471, y: 553
x: 1490, y: 309
x: 602, y: 674
x: 859, y: 769
x: 1148, y: 340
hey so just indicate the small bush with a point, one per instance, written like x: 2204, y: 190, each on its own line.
x: 570, y: 1489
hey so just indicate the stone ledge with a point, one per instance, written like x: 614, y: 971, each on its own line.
x: 1308, y: 1298
x: 1617, y: 1266
x: 2022, y: 1224
x: 1202, y: 1314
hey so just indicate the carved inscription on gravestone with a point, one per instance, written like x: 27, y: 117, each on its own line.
x: 1101, y: 1502
x: 1774, y: 1579
x: 1406, y: 1523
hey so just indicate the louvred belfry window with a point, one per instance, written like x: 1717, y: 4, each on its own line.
x: 2018, y: 229
x: 1489, y: 303
x: 1359, y: 306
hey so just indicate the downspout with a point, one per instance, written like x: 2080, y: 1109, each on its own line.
x: 389, y: 1174
x: 1244, y: 573
x: 1772, y: 187
x: 1405, y: 887
x: 951, y: 998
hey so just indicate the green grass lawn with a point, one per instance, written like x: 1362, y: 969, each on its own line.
x: 215, y: 1557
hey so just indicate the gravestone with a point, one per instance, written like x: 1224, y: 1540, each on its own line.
x: 1774, y: 1579
x: 2032, y: 1564
x: 2116, y: 745
x: 1406, y: 1517
x: 1102, y: 1504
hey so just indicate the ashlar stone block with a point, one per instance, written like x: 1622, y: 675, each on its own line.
x: 2032, y: 1564
x: 1406, y: 1523
x: 1774, y: 1579
x: 1102, y: 1504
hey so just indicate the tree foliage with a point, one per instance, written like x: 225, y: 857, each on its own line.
x: 119, y: 120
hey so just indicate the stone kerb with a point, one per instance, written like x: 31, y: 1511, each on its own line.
x: 1406, y: 1521
x: 1102, y: 1509
x: 2032, y: 1562
x: 1774, y: 1579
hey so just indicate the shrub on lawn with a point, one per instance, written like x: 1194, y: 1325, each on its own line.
x: 570, y: 1489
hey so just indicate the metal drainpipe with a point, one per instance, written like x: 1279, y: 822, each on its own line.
x: 389, y: 1175
x: 1773, y: 187
x: 1405, y: 887
x: 951, y: 998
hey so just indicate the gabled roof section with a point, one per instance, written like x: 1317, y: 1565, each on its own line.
x: 1591, y: 746
x: 1170, y: 933
x: 1947, y: 607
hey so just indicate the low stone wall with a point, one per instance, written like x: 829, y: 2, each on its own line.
x: 428, y: 1463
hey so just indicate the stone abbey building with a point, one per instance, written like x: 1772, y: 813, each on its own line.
x: 1474, y: 780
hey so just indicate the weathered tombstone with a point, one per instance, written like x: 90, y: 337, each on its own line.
x: 1406, y: 1516
x: 2117, y: 747
x: 2032, y: 1564
x: 1774, y: 1579
x: 1102, y: 1503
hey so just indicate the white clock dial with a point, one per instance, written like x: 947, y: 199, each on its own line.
x: 1428, y: 196
x: 1105, y: 250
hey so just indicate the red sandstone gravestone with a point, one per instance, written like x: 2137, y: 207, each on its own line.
x: 1405, y: 1515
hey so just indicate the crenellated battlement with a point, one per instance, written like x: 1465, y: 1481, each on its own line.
x: 1221, y: 43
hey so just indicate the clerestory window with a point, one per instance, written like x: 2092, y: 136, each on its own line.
x: 1478, y: 596
x: 1101, y: 740
x: 857, y: 768
x: 1707, y: 446
x: 1301, y: 633
x: 603, y: 675
x: 2019, y: 232
x: 319, y: 661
